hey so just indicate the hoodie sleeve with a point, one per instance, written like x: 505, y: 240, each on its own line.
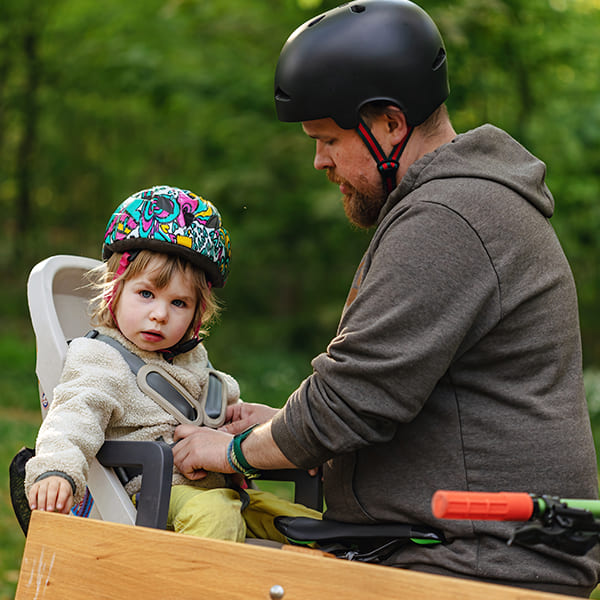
x: 423, y: 284
x: 93, y: 381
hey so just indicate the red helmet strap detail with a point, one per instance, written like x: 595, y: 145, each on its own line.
x: 387, y: 165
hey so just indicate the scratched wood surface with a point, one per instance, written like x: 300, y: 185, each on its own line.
x: 69, y: 558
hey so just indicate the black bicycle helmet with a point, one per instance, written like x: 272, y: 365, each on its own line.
x: 360, y: 52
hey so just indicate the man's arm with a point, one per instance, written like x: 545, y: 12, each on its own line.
x: 261, y: 451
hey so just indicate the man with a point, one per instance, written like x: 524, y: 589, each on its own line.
x: 457, y: 362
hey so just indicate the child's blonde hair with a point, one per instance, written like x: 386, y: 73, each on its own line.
x: 109, y: 285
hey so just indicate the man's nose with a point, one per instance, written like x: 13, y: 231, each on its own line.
x: 322, y: 158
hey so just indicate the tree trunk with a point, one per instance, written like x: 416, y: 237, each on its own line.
x: 26, y: 149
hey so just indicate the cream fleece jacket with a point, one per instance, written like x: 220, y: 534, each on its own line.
x: 98, y: 399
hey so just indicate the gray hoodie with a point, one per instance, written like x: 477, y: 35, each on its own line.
x: 456, y: 365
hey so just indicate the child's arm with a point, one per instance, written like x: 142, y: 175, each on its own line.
x: 95, y: 383
x: 53, y: 493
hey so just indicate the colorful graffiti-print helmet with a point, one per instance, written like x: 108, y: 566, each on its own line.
x: 168, y: 219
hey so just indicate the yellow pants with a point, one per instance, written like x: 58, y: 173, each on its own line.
x: 217, y: 513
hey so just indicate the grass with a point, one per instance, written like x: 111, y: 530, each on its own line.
x: 17, y: 428
x: 266, y: 377
x: 19, y: 421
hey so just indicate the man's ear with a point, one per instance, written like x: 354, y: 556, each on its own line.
x: 390, y: 127
x: 396, y: 125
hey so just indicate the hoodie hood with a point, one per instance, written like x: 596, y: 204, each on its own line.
x: 485, y: 153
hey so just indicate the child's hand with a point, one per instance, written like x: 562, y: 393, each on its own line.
x: 51, y: 494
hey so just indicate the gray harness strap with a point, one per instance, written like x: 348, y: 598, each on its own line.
x: 169, y: 393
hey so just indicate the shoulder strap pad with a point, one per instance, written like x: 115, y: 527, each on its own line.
x: 168, y: 393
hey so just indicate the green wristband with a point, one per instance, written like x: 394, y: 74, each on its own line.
x: 238, y: 456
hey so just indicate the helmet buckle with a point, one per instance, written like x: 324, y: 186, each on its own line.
x: 388, y: 166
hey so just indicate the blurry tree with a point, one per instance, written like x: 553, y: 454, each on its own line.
x: 98, y: 100
x: 179, y: 92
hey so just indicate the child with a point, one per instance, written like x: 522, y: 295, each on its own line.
x: 164, y: 248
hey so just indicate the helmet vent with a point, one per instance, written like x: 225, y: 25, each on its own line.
x: 315, y: 21
x: 357, y: 8
x: 439, y: 59
x: 281, y: 95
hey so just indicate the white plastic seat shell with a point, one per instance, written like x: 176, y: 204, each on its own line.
x: 58, y: 296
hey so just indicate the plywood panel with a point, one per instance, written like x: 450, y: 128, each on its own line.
x: 69, y: 558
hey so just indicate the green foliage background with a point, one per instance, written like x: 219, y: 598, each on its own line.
x: 101, y: 99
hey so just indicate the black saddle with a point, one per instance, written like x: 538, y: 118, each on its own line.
x: 356, y: 541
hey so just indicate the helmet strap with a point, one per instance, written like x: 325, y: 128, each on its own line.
x: 387, y: 165
x: 180, y: 348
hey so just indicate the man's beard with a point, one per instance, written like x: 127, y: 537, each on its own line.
x: 361, y: 209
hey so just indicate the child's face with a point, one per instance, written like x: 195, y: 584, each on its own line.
x: 152, y: 318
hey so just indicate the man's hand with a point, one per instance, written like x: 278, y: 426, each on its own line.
x: 243, y: 415
x: 51, y: 494
x: 200, y: 449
